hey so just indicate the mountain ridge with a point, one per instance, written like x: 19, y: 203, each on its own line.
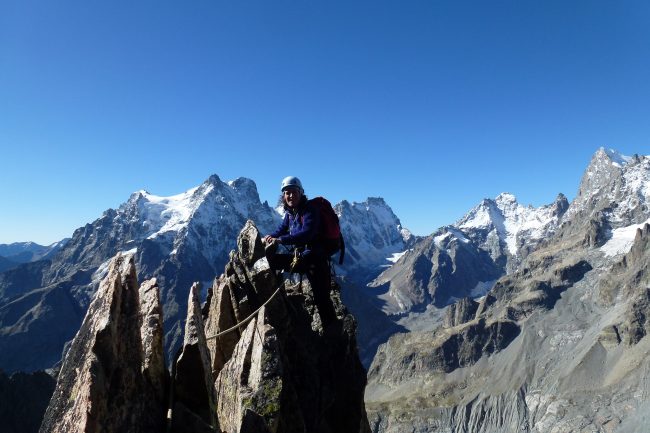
x: 558, y: 344
x: 177, y: 239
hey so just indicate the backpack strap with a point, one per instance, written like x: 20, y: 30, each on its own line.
x: 342, y: 253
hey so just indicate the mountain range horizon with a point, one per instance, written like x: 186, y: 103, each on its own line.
x: 503, y: 288
x: 29, y: 244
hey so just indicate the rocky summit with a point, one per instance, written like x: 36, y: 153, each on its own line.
x: 254, y: 358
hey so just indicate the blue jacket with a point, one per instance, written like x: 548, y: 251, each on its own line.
x: 301, y: 228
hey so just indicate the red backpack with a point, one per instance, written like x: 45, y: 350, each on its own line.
x: 330, y: 230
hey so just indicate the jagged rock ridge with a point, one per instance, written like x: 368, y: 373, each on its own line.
x: 276, y: 370
x: 107, y: 376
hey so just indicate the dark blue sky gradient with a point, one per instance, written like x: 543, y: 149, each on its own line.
x: 432, y: 105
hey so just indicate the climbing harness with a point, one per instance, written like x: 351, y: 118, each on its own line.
x: 295, y: 261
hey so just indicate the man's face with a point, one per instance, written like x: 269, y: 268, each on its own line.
x: 292, y: 197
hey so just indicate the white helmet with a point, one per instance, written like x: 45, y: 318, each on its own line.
x: 291, y: 182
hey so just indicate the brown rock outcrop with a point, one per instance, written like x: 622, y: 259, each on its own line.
x: 596, y: 231
x: 256, y: 359
x: 151, y: 332
x: 460, y: 312
x: 285, y: 373
x: 249, y: 386
x: 221, y: 348
x: 101, y: 386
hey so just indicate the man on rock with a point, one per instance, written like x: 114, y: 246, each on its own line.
x: 301, y: 229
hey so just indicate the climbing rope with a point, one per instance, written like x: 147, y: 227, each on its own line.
x: 219, y: 334
x: 248, y: 319
x: 294, y: 263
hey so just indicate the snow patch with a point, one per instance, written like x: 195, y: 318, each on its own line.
x: 163, y: 214
x: 621, y: 240
x: 438, y: 239
x: 451, y: 232
x: 100, y: 273
x: 618, y: 159
x: 396, y: 256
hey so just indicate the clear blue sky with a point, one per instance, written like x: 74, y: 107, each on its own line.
x: 432, y: 105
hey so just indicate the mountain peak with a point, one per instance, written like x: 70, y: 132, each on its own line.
x: 367, y: 203
x: 615, y: 158
x: 372, y: 232
x: 137, y: 195
x: 245, y: 185
x: 377, y: 201
x: 617, y: 186
x: 511, y: 221
x: 506, y: 198
x: 213, y: 179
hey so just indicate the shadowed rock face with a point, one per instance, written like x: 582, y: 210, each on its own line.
x: 256, y: 359
x: 193, y: 376
x: 461, y: 312
x: 23, y: 400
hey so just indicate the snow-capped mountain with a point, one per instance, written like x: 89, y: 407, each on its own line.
x: 466, y: 258
x: 507, y: 229
x: 372, y: 233
x: 177, y: 239
x: 202, y: 218
x: 559, y: 343
x: 615, y: 186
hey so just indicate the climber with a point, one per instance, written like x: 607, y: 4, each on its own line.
x: 302, y: 232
